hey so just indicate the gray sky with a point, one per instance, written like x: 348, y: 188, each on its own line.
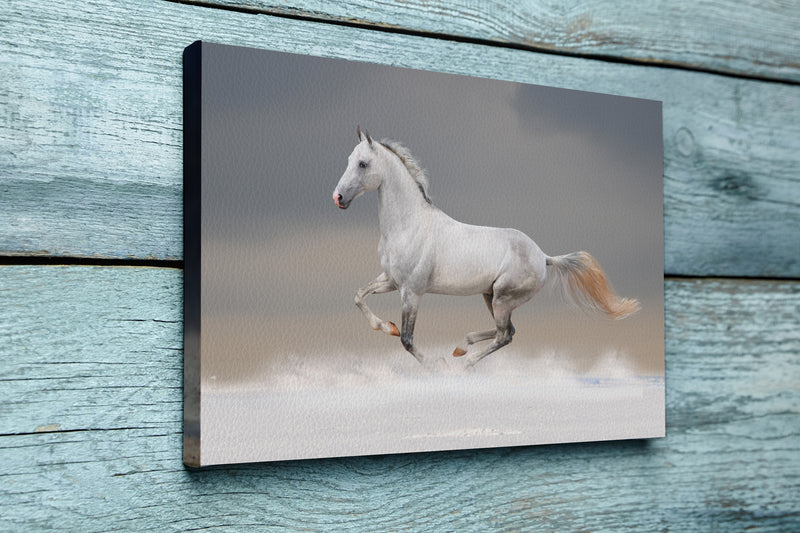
x: 573, y: 170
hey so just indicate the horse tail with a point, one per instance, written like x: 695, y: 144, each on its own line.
x: 580, y: 276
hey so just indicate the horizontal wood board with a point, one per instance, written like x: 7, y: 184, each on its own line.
x: 90, y: 431
x: 91, y: 159
x: 749, y: 38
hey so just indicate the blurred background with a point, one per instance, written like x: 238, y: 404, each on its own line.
x: 281, y: 263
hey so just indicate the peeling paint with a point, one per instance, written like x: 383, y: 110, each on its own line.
x: 47, y: 428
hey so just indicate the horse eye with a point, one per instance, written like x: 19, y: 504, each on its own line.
x: 362, y: 164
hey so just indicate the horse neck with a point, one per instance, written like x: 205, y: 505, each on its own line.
x: 401, y: 205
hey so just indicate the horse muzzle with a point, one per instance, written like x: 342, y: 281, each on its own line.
x: 340, y: 202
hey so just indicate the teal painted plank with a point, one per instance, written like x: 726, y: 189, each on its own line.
x: 118, y: 334
x: 90, y: 431
x: 91, y: 159
x: 130, y: 482
x: 748, y: 38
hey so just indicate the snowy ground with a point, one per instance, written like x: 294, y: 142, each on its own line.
x: 357, y: 406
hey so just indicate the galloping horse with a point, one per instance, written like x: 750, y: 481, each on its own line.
x: 423, y: 250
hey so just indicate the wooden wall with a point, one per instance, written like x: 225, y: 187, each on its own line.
x: 91, y: 280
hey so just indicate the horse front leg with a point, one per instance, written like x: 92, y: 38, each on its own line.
x: 380, y: 285
x: 410, y: 303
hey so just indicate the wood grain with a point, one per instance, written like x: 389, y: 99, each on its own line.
x: 90, y: 431
x: 742, y: 38
x: 91, y: 158
x: 91, y: 358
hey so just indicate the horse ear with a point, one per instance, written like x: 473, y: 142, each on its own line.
x: 369, y: 139
x: 358, y: 130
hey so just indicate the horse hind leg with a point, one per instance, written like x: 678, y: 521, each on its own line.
x: 501, y: 339
x: 478, y: 336
x: 379, y: 285
x: 504, y: 332
x: 472, y: 338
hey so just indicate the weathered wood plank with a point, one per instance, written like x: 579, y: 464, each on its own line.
x: 91, y: 163
x: 108, y: 331
x: 90, y: 430
x: 744, y: 38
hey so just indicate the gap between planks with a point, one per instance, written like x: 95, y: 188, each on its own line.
x: 53, y: 260
x: 388, y: 28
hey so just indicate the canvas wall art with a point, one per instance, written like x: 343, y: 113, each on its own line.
x: 385, y: 260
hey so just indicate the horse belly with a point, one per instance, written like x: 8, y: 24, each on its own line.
x: 462, y: 272
x: 460, y: 282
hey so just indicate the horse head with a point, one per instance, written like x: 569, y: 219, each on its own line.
x: 363, y: 173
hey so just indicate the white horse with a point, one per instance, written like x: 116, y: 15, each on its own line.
x: 423, y: 250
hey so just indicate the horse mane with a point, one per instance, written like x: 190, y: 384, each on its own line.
x: 412, y: 165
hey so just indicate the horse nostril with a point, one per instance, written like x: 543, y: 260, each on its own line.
x: 337, y: 197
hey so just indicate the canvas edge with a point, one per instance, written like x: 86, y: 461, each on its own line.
x: 192, y: 141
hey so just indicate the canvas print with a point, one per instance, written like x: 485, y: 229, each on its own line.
x: 385, y: 260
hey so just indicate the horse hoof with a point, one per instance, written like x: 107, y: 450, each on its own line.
x: 458, y: 352
x: 393, y: 331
